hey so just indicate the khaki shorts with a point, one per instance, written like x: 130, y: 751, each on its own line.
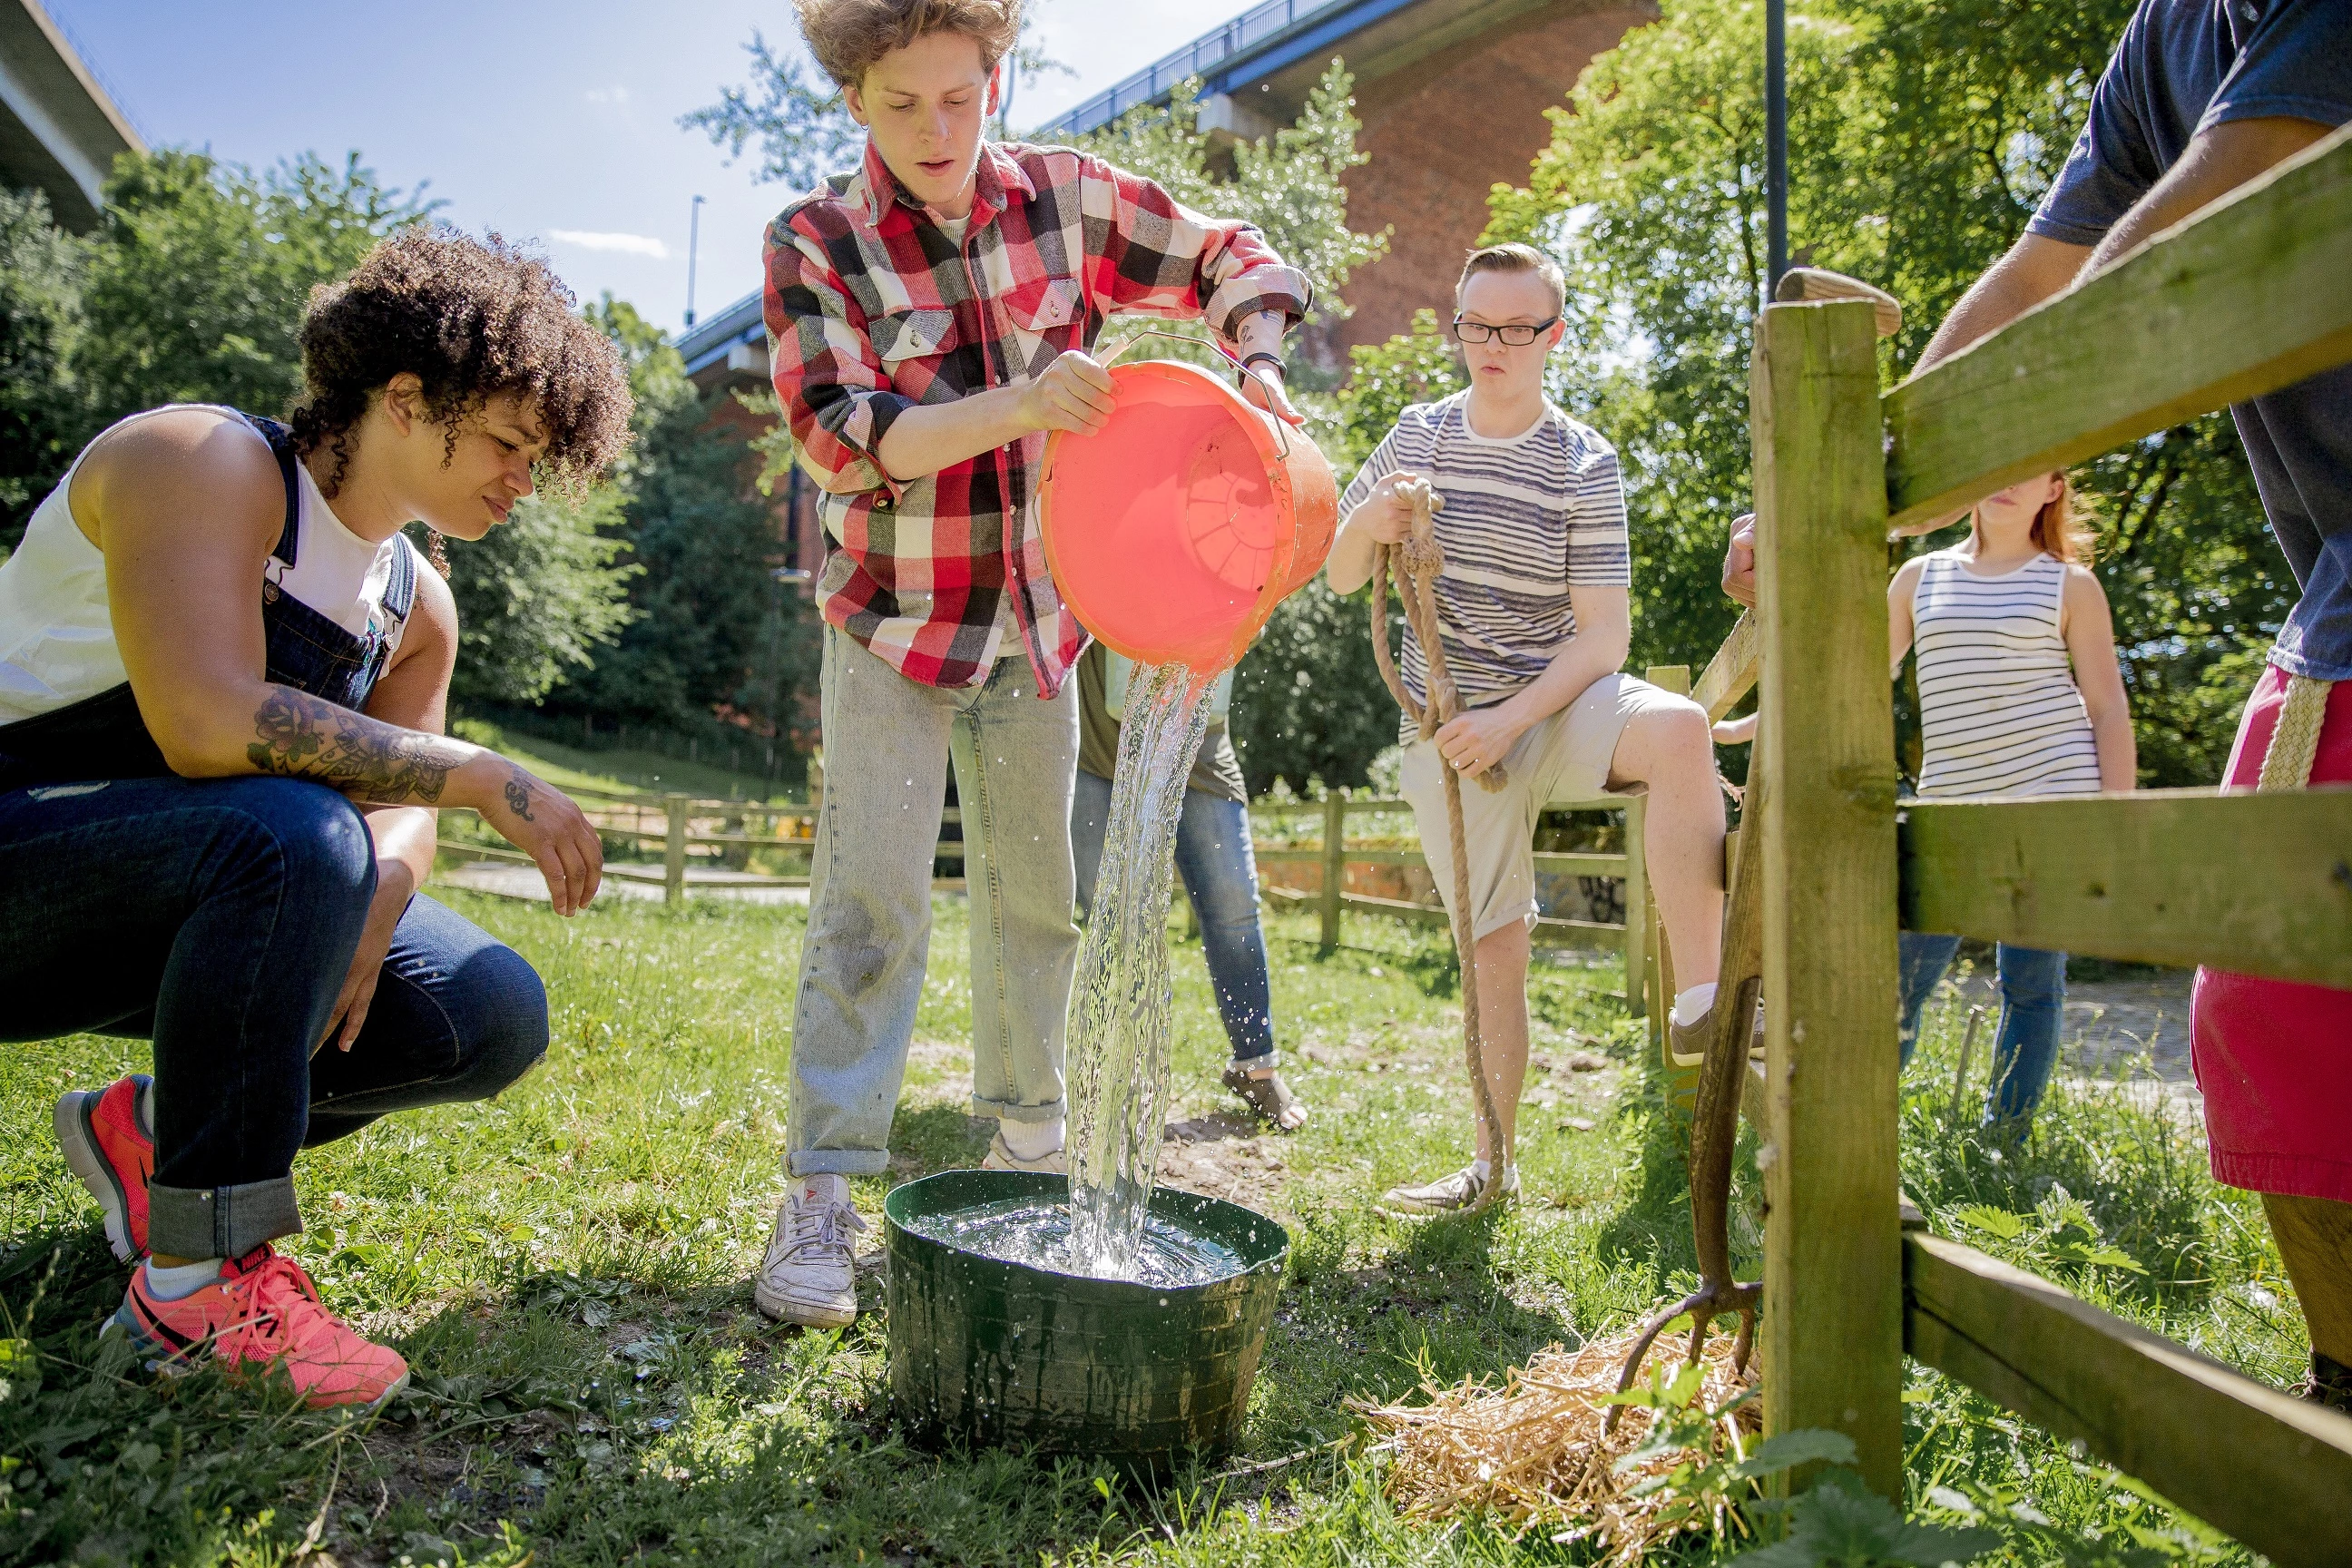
x: 1565, y: 757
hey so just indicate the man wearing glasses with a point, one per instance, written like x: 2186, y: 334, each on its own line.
x: 1532, y: 608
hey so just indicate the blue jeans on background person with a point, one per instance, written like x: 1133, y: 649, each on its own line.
x: 218, y: 918
x: 2032, y: 995
x: 1213, y: 855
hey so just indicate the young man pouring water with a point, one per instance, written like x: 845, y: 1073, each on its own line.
x: 1532, y: 610
x: 932, y: 311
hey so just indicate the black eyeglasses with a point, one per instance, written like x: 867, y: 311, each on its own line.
x: 1516, y: 336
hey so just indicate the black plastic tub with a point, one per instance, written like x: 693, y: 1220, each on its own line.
x: 993, y: 1353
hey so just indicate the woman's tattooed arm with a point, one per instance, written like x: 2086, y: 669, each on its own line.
x: 299, y: 736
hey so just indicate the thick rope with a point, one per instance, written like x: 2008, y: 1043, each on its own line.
x: 1422, y: 560
x: 2294, y: 741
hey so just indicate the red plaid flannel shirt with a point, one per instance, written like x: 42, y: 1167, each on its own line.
x: 873, y: 308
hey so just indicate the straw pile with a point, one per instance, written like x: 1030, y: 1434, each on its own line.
x: 1533, y: 1451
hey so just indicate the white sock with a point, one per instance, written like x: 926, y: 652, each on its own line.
x: 1693, y: 1005
x: 1482, y: 1169
x: 824, y: 1187
x: 180, y: 1279
x: 1030, y: 1140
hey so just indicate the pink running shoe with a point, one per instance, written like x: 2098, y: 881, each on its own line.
x: 262, y: 1314
x: 109, y: 1144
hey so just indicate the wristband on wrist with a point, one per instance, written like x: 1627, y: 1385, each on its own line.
x: 1272, y: 359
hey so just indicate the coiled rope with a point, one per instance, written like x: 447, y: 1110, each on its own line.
x: 1419, y: 560
x: 2294, y: 739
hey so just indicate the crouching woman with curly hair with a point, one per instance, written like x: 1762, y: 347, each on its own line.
x: 223, y: 676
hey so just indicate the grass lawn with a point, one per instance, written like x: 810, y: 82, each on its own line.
x: 573, y: 767
x: 568, y: 1268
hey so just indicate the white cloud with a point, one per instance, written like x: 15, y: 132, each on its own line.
x: 606, y: 95
x: 626, y: 243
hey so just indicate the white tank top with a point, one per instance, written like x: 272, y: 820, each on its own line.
x: 1999, y: 710
x: 56, y: 638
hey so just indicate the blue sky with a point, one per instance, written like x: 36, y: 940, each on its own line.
x: 555, y: 121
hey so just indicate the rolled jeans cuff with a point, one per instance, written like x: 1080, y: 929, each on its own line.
x: 836, y: 1163
x: 1005, y: 1111
x: 220, y: 1222
x: 1267, y: 1058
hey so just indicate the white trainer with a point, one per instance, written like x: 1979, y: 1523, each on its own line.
x: 809, y: 1274
x: 1001, y: 1157
x: 1463, y: 1192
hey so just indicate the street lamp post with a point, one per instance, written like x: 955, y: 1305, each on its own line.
x: 1776, y: 141
x: 693, y: 243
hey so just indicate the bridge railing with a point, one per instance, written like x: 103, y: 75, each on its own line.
x: 2250, y: 296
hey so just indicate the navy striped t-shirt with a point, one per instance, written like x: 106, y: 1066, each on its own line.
x: 1524, y: 520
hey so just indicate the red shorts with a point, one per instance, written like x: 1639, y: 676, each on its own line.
x: 2275, y: 1059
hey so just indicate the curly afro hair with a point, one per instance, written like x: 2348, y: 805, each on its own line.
x: 471, y: 318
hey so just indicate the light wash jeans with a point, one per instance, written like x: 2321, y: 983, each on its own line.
x: 2032, y: 995
x: 1212, y: 851
x: 887, y: 742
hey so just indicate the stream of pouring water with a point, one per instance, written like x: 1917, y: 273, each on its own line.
x: 1118, y: 1026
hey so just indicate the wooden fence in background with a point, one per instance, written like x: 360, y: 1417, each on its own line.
x: 690, y: 830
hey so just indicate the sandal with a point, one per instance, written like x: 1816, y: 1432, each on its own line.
x: 1269, y: 1097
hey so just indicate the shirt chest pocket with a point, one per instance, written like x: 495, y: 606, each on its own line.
x: 1047, y: 313
x: 910, y: 344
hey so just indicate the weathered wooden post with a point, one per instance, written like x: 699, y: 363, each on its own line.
x: 674, y: 851
x: 1832, y: 1329
x: 1335, y: 864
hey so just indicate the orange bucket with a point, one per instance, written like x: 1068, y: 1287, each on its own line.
x: 1173, y: 533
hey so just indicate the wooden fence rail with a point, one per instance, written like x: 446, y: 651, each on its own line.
x: 2261, y: 883
x: 679, y: 841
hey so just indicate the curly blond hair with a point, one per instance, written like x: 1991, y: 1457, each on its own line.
x: 849, y: 37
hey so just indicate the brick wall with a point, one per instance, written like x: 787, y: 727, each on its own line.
x: 1444, y: 131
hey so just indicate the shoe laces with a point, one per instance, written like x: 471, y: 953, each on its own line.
x: 821, y: 1226
x: 279, y: 1301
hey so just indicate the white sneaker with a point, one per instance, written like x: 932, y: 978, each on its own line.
x: 808, y: 1275
x: 1001, y: 1157
x: 1463, y: 1192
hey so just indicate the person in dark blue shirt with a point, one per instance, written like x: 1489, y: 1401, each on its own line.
x: 2200, y: 97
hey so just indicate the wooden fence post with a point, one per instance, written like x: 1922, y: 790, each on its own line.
x: 1335, y: 864
x: 674, y: 851
x: 1833, y: 1328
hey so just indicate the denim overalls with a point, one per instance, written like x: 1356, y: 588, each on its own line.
x: 219, y: 917
x: 102, y: 737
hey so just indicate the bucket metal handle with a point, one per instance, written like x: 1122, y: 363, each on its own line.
x: 1281, y: 425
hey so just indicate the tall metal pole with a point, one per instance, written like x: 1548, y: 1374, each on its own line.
x: 693, y: 241
x: 1776, y: 139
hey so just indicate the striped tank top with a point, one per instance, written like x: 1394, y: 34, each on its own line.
x: 1999, y: 709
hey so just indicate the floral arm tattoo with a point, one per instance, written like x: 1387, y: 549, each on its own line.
x: 299, y: 736
x: 518, y: 792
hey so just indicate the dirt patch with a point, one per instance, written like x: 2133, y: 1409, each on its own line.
x: 1225, y: 1154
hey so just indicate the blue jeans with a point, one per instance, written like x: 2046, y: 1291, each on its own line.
x: 1212, y: 853
x: 218, y: 918
x: 2032, y: 993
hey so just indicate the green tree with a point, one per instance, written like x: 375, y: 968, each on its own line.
x: 41, y: 270
x: 1922, y: 133
x: 709, y: 627
x: 1292, y: 184
x: 199, y: 272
